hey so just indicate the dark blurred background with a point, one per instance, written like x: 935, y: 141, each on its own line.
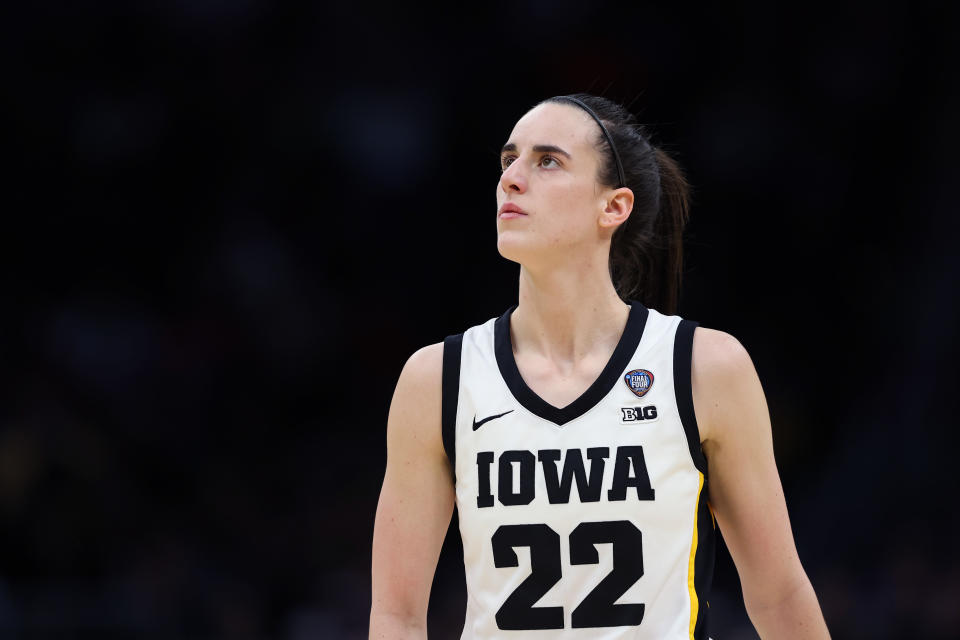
x: 227, y: 224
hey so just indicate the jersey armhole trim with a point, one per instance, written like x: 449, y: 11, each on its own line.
x: 452, y: 347
x: 683, y: 389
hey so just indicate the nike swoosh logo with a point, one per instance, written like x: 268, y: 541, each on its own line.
x: 477, y: 425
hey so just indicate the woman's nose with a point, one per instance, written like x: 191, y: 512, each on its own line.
x: 513, y: 179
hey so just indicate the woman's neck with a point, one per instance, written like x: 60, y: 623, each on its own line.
x: 568, y: 312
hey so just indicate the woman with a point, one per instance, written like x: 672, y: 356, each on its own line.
x: 590, y: 442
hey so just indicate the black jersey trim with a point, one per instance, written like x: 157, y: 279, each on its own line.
x: 683, y: 390
x: 703, y: 563
x: 626, y: 347
x: 452, y: 348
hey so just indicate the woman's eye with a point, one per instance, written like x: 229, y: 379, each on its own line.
x: 545, y: 161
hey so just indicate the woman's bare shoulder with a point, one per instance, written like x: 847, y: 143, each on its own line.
x: 416, y: 405
x: 425, y: 364
x: 723, y: 378
x: 715, y: 347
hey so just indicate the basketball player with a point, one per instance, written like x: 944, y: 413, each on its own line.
x: 591, y: 442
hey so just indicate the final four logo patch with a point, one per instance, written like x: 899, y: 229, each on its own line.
x: 639, y: 381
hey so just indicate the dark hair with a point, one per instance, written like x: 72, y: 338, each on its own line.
x: 646, y: 251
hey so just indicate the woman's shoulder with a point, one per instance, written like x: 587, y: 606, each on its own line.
x: 718, y: 348
x: 723, y: 378
x: 413, y: 423
x: 424, y: 366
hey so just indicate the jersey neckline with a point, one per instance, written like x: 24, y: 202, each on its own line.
x: 626, y: 347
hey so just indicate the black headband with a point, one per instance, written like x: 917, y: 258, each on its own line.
x: 606, y: 134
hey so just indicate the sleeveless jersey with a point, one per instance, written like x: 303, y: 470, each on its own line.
x: 587, y: 521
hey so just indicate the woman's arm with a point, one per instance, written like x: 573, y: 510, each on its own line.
x: 416, y: 502
x: 745, y: 490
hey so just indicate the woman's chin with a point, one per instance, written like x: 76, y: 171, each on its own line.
x: 512, y: 248
x: 519, y: 250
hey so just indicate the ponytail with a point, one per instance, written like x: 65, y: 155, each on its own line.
x: 671, y: 220
x: 646, y: 256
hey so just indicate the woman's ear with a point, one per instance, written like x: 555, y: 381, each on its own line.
x: 617, y: 209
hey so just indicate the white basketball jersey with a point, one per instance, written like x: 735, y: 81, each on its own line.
x: 589, y: 521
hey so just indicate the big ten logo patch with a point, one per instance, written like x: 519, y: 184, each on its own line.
x: 638, y: 415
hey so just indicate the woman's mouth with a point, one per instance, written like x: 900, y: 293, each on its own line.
x: 510, y: 210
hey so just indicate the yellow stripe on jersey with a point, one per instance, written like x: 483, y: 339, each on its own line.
x: 693, y: 556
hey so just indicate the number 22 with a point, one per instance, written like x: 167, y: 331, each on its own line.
x: 597, y: 609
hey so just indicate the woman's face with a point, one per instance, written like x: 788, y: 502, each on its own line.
x: 550, y: 170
